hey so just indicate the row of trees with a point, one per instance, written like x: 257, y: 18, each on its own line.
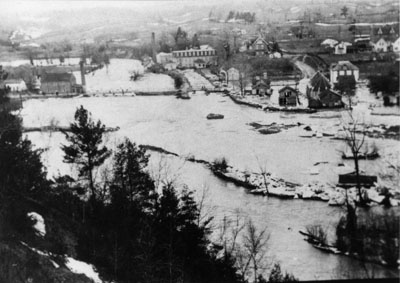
x: 246, y: 16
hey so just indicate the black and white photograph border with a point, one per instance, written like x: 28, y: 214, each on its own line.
x: 199, y: 141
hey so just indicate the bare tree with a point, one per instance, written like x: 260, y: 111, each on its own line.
x: 206, y: 211
x: 355, y: 134
x: 255, y: 243
x: 264, y: 173
x: 245, y: 244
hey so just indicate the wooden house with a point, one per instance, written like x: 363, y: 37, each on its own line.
x: 320, y: 95
x: 261, y: 87
x: 260, y: 46
x: 343, y: 69
x: 57, y: 83
x: 288, y: 96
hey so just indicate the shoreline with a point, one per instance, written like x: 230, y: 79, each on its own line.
x: 271, y: 108
x: 265, y: 185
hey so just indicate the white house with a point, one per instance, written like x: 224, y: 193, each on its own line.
x: 341, y: 48
x: 381, y: 45
x: 15, y: 85
x: 186, y: 58
x: 329, y: 42
x: 396, y: 45
x: 163, y: 57
x: 342, y: 69
x: 233, y: 75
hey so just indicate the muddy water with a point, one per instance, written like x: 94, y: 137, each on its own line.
x: 180, y: 126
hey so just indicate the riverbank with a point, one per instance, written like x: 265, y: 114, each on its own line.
x: 242, y: 101
x: 266, y: 184
x: 58, y: 129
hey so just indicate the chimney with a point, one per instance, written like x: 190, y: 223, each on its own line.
x: 153, y: 47
x: 83, y: 80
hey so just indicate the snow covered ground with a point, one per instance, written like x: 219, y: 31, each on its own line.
x: 80, y: 267
x: 196, y: 80
x: 39, y: 225
x: 41, y: 62
x: 116, y: 78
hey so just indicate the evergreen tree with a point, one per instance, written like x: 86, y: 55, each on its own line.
x: 85, y: 149
x: 195, y: 41
x: 129, y: 164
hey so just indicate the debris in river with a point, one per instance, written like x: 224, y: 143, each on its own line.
x: 213, y: 116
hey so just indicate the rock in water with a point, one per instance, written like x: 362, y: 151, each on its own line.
x: 269, y: 130
x: 212, y: 116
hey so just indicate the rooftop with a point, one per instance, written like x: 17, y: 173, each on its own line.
x: 57, y: 77
x: 343, y: 65
x: 13, y: 81
x: 319, y: 82
x: 287, y: 87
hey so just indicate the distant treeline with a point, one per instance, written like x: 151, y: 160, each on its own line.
x: 246, y: 16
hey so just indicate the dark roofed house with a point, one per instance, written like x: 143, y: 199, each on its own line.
x: 320, y: 95
x: 199, y: 63
x: 288, y: 96
x: 58, y: 83
x: 260, y: 46
x: 261, y: 87
x: 319, y: 82
x: 388, y: 32
x: 350, y: 180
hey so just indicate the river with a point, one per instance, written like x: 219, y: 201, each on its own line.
x: 180, y: 126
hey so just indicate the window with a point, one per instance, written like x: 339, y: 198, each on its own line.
x: 341, y: 73
x: 349, y: 72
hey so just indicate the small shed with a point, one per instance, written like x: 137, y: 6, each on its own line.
x: 247, y: 90
x: 288, y: 96
x: 260, y: 87
x: 199, y: 64
x: 350, y: 180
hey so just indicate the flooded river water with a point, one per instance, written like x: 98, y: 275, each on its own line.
x: 181, y: 126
